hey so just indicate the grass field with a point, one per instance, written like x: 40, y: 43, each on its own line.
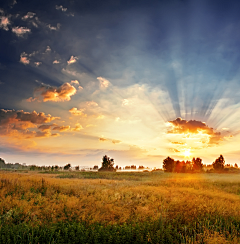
x: 98, y: 207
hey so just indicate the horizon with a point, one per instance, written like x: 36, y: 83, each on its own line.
x: 132, y: 81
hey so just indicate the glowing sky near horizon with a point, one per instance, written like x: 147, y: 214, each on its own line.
x: 138, y: 81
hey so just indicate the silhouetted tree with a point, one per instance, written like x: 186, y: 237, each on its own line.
x: 107, y: 164
x: 219, y: 163
x: 66, y: 167
x: 168, y: 164
x: 235, y: 165
x: 197, y: 164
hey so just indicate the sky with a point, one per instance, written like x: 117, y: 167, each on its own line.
x: 135, y: 80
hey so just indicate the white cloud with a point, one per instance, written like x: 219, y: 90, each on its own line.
x: 75, y: 82
x: 29, y: 15
x: 20, y: 31
x: 104, y: 83
x: 56, y: 62
x: 72, y: 60
x: 48, y: 49
x: 125, y: 102
x: 53, y: 27
x: 61, y: 8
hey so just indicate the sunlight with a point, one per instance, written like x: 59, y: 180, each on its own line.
x: 187, y: 153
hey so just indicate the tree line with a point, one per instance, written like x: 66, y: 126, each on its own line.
x: 196, y: 165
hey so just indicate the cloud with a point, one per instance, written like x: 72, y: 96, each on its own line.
x: 75, y: 82
x: 78, y: 127
x: 104, y: 83
x: 61, y: 8
x: 37, y: 63
x: 17, y: 123
x: 101, y: 116
x: 29, y: 15
x: 20, y: 31
x: 105, y: 139
x: 125, y: 102
x: 61, y: 128
x: 46, y: 127
x: 4, y: 22
x: 54, y: 94
x: 72, y: 60
x: 24, y: 59
x: 193, y: 129
x: 48, y: 49
x: 192, y: 126
x: 91, y: 104
x: 75, y: 111
x: 56, y: 62
x: 53, y: 27
x: 102, y: 139
x: 116, y: 141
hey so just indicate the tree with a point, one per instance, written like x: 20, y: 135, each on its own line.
x: 168, y: 164
x: 219, y: 163
x: 197, y: 164
x: 107, y: 164
x: 67, y: 167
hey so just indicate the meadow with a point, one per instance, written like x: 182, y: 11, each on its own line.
x: 119, y: 207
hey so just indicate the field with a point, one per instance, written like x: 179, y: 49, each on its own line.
x: 130, y: 207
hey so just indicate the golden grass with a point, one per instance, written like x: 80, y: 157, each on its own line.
x: 43, y: 198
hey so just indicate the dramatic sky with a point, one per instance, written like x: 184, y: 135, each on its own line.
x: 136, y: 80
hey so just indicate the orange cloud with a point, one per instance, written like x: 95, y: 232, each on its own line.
x: 116, y: 141
x: 17, y: 123
x: 54, y: 94
x: 4, y: 22
x: 75, y: 111
x: 24, y: 59
x: 102, y: 139
x: 61, y: 128
x: 46, y: 127
x: 181, y: 126
x: 78, y: 127
x: 20, y: 31
x: 72, y: 60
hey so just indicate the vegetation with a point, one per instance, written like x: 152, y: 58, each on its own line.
x: 170, y: 165
x: 219, y: 163
x: 107, y: 164
x: 107, y: 207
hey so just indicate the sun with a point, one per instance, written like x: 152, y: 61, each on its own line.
x: 187, y: 153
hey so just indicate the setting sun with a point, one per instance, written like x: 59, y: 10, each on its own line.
x: 187, y: 153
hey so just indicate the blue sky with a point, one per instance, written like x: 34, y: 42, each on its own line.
x: 112, y: 77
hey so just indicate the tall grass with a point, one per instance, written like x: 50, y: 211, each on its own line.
x: 141, y: 207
